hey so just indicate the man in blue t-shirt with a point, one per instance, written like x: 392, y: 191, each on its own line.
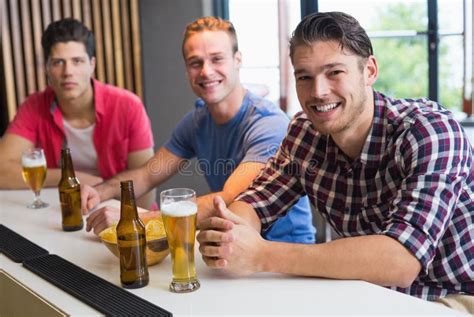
x: 231, y: 131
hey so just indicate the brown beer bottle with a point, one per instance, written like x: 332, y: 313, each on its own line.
x: 131, y: 241
x: 69, y: 194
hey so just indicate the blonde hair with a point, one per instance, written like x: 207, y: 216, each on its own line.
x: 211, y: 24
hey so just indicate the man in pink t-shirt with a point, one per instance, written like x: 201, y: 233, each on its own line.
x: 106, y: 127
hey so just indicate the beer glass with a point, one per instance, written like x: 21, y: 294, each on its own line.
x: 179, y: 211
x: 33, y: 163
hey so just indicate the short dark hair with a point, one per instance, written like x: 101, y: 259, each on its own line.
x: 332, y: 26
x: 67, y: 30
x: 211, y: 24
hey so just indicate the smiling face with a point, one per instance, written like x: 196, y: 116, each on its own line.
x: 212, y: 67
x: 334, y: 87
x: 69, y: 70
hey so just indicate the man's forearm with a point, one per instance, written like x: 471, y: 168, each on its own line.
x: 147, y: 200
x: 111, y: 188
x: 11, y: 178
x: 378, y: 259
x: 53, y: 175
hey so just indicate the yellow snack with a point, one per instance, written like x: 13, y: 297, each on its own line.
x: 157, y: 245
x: 109, y: 234
x: 155, y: 228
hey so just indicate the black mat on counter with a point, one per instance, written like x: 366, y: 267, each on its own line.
x: 17, y: 247
x: 91, y: 289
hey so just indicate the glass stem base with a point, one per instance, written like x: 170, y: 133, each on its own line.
x: 37, y: 203
x: 184, y: 287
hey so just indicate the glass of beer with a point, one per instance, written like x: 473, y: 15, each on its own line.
x: 179, y: 211
x: 33, y: 164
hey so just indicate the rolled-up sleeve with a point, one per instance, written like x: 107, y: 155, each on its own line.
x: 432, y: 155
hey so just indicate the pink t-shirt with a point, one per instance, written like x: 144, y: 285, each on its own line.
x: 122, y: 126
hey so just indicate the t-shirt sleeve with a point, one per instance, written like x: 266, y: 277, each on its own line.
x: 25, y: 123
x: 264, y: 137
x: 141, y: 134
x: 181, y: 141
x: 277, y: 187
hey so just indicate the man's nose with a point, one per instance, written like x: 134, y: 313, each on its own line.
x: 206, y: 69
x: 68, y: 68
x: 320, y: 88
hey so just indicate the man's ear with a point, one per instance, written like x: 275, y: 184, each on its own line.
x: 46, y: 66
x: 93, y: 63
x: 238, y: 59
x: 372, y: 70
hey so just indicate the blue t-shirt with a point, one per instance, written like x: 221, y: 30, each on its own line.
x: 254, y: 134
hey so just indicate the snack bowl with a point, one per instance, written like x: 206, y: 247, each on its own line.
x: 156, y: 244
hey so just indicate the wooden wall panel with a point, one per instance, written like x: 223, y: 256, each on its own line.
x: 28, y: 47
x: 76, y: 10
x: 136, y: 47
x: 96, y: 13
x: 109, y: 53
x: 56, y: 6
x: 87, y: 14
x: 126, y: 40
x: 17, y: 53
x: 117, y: 42
x: 9, y: 76
x: 116, y: 27
x: 67, y: 10
x: 46, y: 11
x: 38, y: 50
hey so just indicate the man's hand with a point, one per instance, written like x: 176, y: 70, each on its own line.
x: 89, y: 198
x: 227, y: 241
x: 102, y: 218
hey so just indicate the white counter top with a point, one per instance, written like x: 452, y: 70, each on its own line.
x: 219, y: 295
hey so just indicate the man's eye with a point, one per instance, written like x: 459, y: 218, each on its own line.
x: 194, y: 64
x: 78, y: 60
x: 302, y: 78
x: 335, y: 72
x: 57, y: 62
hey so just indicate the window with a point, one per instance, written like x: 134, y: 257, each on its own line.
x: 263, y: 29
x: 451, y: 52
x: 401, y: 32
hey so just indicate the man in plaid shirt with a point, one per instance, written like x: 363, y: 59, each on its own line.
x: 394, y: 177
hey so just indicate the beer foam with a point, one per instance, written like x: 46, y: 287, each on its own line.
x: 33, y: 162
x: 179, y: 209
